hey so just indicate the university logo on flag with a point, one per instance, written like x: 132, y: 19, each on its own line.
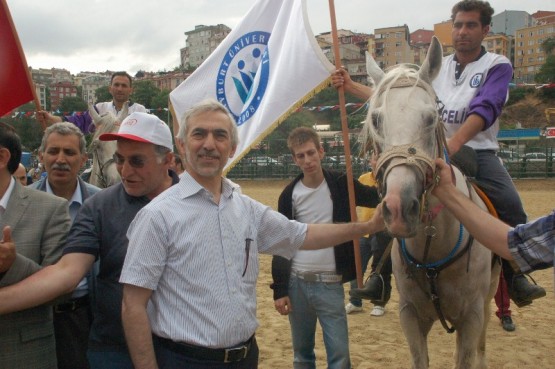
x: 243, y: 76
x: 261, y: 72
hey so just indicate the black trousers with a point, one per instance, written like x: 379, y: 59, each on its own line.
x: 71, y: 329
x: 170, y: 359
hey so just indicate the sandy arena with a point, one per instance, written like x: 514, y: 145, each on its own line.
x: 379, y: 342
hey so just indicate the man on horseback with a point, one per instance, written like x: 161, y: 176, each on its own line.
x: 473, y: 87
x: 121, y: 87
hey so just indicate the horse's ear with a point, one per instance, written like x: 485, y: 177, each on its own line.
x: 94, y: 114
x: 431, y: 66
x: 373, y: 69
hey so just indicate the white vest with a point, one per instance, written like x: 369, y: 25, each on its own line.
x: 456, y: 96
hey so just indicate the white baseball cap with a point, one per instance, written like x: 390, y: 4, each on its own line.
x: 142, y: 127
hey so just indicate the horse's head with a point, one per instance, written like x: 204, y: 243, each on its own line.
x: 402, y: 124
x: 104, y: 172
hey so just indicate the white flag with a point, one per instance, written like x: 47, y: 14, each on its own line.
x: 262, y: 71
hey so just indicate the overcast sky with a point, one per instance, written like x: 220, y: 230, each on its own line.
x: 99, y: 35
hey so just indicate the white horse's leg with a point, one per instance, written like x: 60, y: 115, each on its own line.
x: 471, y: 329
x: 416, y: 331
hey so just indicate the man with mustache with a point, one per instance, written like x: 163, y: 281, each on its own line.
x: 62, y: 153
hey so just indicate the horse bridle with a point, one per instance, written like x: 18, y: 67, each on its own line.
x: 408, y: 154
x: 101, y: 166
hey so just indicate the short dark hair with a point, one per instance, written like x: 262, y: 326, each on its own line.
x: 64, y: 129
x: 301, y: 135
x: 122, y: 74
x: 483, y: 7
x: 10, y: 140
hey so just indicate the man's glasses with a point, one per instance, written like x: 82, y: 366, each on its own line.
x: 134, y: 161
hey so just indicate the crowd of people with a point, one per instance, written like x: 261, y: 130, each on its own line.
x: 160, y: 270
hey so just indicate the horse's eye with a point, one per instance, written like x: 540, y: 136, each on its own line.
x: 430, y: 120
x: 376, y: 120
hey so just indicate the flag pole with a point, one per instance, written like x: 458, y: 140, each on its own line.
x: 346, y: 141
x: 22, y: 56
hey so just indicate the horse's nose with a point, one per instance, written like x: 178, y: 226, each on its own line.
x: 412, y: 210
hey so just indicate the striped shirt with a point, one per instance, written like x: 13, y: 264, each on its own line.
x: 192, y: 253
x: 533, y: 244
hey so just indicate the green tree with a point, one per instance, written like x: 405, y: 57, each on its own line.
x: 103, y: 94
x: 144, y: 92
x: 548, y: 45
x: 546, y: 74
x: 160, y: 105
x: 73, y: 103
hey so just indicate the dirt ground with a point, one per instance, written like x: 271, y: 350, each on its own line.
x: 378, y: 342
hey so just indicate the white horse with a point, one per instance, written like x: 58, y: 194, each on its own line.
x: 104, y: 172
x: 441, y: 272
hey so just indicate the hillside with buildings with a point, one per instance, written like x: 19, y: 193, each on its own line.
x: 514, y: 33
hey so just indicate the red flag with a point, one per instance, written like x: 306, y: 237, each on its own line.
x: 16, y: 87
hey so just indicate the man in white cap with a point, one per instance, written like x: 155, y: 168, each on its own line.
x: 143, y: 157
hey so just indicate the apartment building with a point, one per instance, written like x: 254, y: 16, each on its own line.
x: 498, y: 43
x: 352, y: 47
x: 529, y: 55
x: 90, y: 82
x: 508, y: 21
x: 200, y: 43
x: 59, y: 91
x: 392, y: 46
x: 420, y: 41
x: 166, y: 81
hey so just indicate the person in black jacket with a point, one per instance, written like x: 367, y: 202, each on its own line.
x: 309, y: 287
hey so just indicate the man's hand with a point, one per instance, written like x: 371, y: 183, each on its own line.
x: 47, y: 119
x: 283, y: 305
x: 7, y: 250
x: 376, y: 223
x: 443, y: 179
x: 340, y: 77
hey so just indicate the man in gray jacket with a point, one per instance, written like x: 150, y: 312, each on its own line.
x: 34, y: 225
x: 62, y: 153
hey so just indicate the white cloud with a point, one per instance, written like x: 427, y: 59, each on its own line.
x: 97, y: 35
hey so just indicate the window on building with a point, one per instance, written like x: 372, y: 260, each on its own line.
x: 530, y: 42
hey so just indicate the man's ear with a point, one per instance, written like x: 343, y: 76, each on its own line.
x: 5, y: 156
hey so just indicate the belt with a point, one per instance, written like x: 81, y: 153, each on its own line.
x: 324, y: 277
x: 226, y: 355
x: 72, y: 304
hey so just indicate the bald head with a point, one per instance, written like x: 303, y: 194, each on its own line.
x: 20, y: 174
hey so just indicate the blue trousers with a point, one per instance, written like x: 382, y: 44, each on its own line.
x: 312, y: 301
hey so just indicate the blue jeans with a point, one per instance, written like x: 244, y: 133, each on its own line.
x: 365, y: 255
x: 311, y: 301
x: 109, y: 359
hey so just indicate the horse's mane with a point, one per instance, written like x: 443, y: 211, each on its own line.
x: 405, y: 75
